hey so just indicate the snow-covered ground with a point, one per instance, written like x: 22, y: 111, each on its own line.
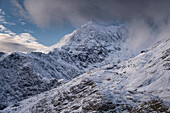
x: 117, y: 83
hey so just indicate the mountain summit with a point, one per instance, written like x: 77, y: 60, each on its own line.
x: 93, y: 34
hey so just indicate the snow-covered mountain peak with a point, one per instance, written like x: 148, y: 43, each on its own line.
x: 93, y: 34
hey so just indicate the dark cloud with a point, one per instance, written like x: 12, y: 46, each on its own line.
x: 44, y: 12
x: 144, y: 17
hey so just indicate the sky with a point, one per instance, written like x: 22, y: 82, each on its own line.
x: 18, y: 33
x: 27, y: 25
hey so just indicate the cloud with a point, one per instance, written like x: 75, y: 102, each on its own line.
x: 3, y: 20
x: 44, y: 12
x: 23, y: 23
x: 147, y: 20
x: 10, y: 41
x: 2, y: 28
x: 29, y: 31
x: 5, y: 30
x: 2, y: 12
x: 23, y: 42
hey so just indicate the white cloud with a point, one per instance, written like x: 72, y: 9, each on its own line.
x: 2, y: 28
x: 2, y: 12
x: 24, y: 42
x: 5, y: 30
x: 3, y: 20
x: 23, y: 23
x: 28, y: 31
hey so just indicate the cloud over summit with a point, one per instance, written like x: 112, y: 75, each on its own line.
x: 44, y: 12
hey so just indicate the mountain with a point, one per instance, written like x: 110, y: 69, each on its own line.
x: 23, y: 75
x: 139, y: 84
x: 89, y: 70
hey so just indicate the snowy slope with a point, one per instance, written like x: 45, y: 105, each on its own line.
x: 150, y: 71
x: 140, y: 84
x: 91, y: 46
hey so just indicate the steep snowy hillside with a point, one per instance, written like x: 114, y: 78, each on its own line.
x: 141, y: 84
x: 91, y: 46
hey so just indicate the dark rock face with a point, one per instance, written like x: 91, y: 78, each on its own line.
x: 1, y: 54
x: 85, y: 57
x: 65, y: 101
x: 166, y: 54
x: 155, y: 105
x: 84, y: 97
x: 166, y: 58
x: 20, y: 81
x: 22, y: 76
